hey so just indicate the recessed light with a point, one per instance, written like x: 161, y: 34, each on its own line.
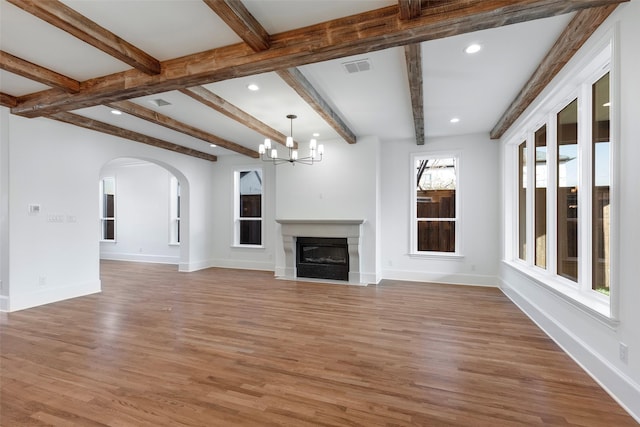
x: 454, y: 120
x: 316, y: 134
x: 212, y: 145
x: 116, y: 112
x: 253, y: 87
x: 473, y: 48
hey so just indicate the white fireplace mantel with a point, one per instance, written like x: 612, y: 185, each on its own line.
x: 351, y: 229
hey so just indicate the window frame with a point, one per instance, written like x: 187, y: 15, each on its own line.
x: 101, y: 208
x: 576, y: 83
x: 237, y: 218
x: 413, y: 238
x: 174, y: 211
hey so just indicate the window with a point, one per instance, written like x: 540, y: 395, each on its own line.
x: 522, y: 200
x: 601, y: 184
x: 107, y: 209
x: 435, y: 204
x: 248, y: 207
x: 174, y: 211
x: 540, y: 198
x: 569, y: 198
x: 567, y: 191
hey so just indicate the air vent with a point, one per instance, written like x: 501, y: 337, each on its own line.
x: 159, y: 102
x: 357, y: 66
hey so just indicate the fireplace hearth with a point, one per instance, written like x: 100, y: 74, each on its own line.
x: 322, y: 258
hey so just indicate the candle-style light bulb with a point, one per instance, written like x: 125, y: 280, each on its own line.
x: 289, y: 143
x: 312, y: 144
x: 262, y: 149
x: 321, y: 149
x: 267, y: 143
x: 274, y: 153
x: 294, y: 155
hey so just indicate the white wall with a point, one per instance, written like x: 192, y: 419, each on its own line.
x: 225, y: 254
x: 594, y: 343
x: 478, y: 227
x: 58, y: 166
x: 4, y: 209
x: 345, y: 185
x: 142, y: 213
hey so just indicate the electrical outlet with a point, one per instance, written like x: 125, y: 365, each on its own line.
x: 624, y: 353
x: 42, y: 281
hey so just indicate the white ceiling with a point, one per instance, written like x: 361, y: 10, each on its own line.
x: 475, y: 88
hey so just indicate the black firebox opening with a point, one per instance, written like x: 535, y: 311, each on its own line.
x: 322, y: 258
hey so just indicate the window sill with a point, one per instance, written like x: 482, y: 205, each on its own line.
x: 107, y: 241
x: 247, y: 246
x: 437, y: 255
x: 586, y: 303
x: 174, y: 244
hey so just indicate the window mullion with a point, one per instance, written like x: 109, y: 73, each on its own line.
x: 585, y: 196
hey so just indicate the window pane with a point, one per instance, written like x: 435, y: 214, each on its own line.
x: 250, y: 232
x: 108, y: 229
x: 601, y: 185
x: 568, y: 191
x: 436, y: 189
x: 522, y: 201
x: 540, y: 198
x: 437, y: 236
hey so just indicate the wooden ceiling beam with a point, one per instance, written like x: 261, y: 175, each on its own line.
x: 59, y: 15
x: 236, y: 16
x: 413, y: 57
x: 242, y: 22
x: 581, y: 27
x: 170, y: 123
x: 102, y: 127
x: 7, y: 100
x: 223, y: 106
x: 409, y: 9
x: 370, y: 31
x: 37, y: 73
x: 294, y: 78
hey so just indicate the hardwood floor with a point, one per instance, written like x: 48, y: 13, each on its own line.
x: 238, y: 348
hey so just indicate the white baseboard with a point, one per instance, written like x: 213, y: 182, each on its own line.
x: 615, y: 382
x: 4, y: 303
x: 18, y: 301
x: 188, y: 267
x: 133, y: 257
x: 243, y: 264
x: 446, y: 278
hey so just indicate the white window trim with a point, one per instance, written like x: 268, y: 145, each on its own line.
x: 173, y: 210
x: 236, y: 209
x: 576, y: 83
x: 115, y: 209
x: 413, y: 229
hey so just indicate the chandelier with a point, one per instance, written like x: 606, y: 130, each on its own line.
x: 269, y: 154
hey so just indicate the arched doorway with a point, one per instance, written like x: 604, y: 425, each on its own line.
x: 144, y: 212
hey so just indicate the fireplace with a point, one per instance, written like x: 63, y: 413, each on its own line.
x: 322, y: 258
x: 294, y: 230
